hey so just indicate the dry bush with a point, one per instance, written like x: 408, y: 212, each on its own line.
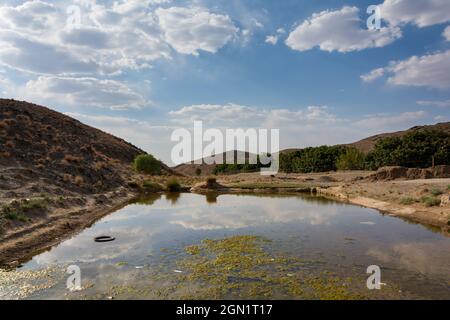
x: 71, y: 159
x: 79, y: 181
x: 5, y: 154
x: 67, y: 177
x: 23, y: 118
x: 99, y: 165
x: 3, y: 125
x: 10, y: 122
x: 9, y: 144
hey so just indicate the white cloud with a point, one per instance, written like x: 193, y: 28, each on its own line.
x: 272, y: 40
x: 219, y: 115
x: 446, y: 33
x: 32, y: 16
x: 22, y: 53
x: 435, y: 103
x: 340, y: 31
x: 303, y: 127
x: 373, y: 75
x: 422, y: 13
x: 431, y: 71
x: 189, y: 30
x: 87, y: 92
x: 391, y: 121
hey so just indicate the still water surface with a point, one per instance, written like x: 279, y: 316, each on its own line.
x: 309, y: 238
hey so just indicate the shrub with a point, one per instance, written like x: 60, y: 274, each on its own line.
x: 211, y: 180
x: 79, y: 181
x: 150, y: 186
x: 407, y: 200
x: 448, y: 187
x: 34, y: 204
x: 429, y: 201
x: 146, y: 163
x: 351, y: 159
x: 13, y: 214
x: 317, y: 159
x: 414, y: 150
x: 436, y: 192
x: 198, y: 171
x: 133, y: 184
x: 173, y: 185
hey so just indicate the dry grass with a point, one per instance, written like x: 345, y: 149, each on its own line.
x: 9, y: 144
x: 79, y: 181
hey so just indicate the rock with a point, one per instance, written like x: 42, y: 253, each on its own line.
x: 393, y: 173
x: 327, y: 179
x: 445, y: 200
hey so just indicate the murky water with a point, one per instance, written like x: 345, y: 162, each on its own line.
x: 306, y: 242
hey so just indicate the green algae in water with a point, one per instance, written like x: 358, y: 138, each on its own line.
x: 242, y: 267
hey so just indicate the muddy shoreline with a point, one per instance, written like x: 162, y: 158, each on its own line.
x: 21, y: 244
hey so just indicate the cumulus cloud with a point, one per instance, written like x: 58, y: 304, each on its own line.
x: 189, y: 30
x: 21, y: 53
x: 302, y: 127
x: 87, y: 92
x: 272, y: 40
x: 113, y: 38
x: 387, y: 121
x: 434, y: 103
x: 422, y: 13
x: 373, y: 75
x: 446, y: 33
x: 340, y: 31
x: 425, y: 71
x: 219, y: 115
x: 33, y: 16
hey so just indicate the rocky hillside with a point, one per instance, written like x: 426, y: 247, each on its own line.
x: 41, y: 149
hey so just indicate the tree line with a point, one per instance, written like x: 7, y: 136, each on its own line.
x: 418, y: 149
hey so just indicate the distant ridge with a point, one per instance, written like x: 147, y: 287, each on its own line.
x: 365, y: 145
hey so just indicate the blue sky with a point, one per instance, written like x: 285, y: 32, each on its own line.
x: 139, y: 69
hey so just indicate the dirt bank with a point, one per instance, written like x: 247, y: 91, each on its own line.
x: 20, y: 242
x: 425, y: 201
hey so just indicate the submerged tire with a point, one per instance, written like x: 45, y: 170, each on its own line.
x: 104, y: 239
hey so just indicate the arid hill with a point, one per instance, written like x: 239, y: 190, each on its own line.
x: 42, y: 148
x: 366, y: 145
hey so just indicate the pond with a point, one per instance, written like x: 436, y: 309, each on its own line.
x: 188, y: 246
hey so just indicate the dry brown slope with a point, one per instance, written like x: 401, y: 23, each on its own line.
x: 39, y: 143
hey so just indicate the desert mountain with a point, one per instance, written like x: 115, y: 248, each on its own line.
x: 42, y: 148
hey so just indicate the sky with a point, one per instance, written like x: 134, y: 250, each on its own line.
x: 139, y: 69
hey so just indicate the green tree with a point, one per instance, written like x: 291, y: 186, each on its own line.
x: 146, y: 163
x: 351, y: 159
